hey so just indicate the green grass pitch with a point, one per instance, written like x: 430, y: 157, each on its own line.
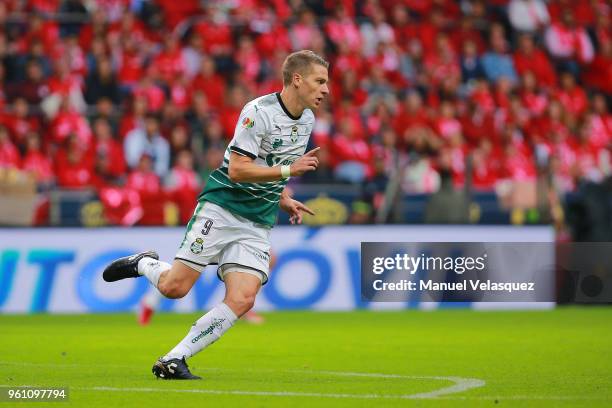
x: 545, y: 358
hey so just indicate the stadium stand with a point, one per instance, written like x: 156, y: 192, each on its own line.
x: 132, y: 101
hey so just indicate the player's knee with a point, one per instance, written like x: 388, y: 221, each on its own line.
x: 172, y: 289
x: 241, y: 302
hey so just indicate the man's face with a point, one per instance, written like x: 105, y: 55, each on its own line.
x: 313, y: 86
x: 151, y: 126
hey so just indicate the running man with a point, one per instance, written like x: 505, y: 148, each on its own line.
x: 231, y: 224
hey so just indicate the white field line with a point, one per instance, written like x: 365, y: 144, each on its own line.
x: 331, y: 395
x: 460, y: 384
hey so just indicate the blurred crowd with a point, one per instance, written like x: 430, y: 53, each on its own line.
x: 138, y: 99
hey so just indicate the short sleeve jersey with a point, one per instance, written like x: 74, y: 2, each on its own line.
x: 268, y: 133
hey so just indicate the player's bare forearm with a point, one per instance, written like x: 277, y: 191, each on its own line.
x: 243, y: 169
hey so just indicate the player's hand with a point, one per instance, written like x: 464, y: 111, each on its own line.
x: 294, y: 208
x: 307, y: 162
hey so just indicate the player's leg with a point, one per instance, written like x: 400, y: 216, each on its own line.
x: 173, y: 281
x: 252, y: 316
x: 244, y: 262
x: 150, y: 304
x: 240, y: 291
x: 200, y: 246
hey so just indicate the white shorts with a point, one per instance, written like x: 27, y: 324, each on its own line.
x: 219, y: 237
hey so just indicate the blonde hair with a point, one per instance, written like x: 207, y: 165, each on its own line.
x: 300, y: 62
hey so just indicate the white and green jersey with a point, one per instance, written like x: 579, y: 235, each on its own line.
x: 269, y: 134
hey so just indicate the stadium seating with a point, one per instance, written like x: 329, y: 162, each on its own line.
x: 488, y: 93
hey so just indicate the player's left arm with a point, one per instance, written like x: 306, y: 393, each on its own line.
x: 293, y: 207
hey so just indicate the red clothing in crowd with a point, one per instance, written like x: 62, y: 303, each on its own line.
x: 589, y: 160
x: 131, y: 67
x: 484, y: 99
x: 272, y: 41
x: 74, y: 169
x: 64, y: 85
x: 485, y: 173
x: 213, y: 87
x: 535, y: 102
x: 37, y: 163
x: 350, y: 61
x: 128, y: 123
x: 67, y: 123
x: 145, y: 182
x: 600, y: 127
x: 217, y: 38
x: 518, y: 164
x: 154, y: 95
x: 405, y: 121
x: 129, y: 27
x: 538, y: 63
x: 599, y: 72
x: 47, y: 33
x: 169, y: 64
x: 180, y: 95
x: 583, y: 12
x: 228, y: 118
x: 574, y: 100
x: 44, y: 6
x: 477, y: 126
x: 152, y: 197
x: 345, y: 148
x: 18, y: 127
x: 9, y: 155
x: 344, y: 31
x: 446, y: 127
x: 177, y: 11
x: 184, y: 187
x: 112, y: 153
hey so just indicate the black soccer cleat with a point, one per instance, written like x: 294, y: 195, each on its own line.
x: 174, y: 369
x: 126, y: 267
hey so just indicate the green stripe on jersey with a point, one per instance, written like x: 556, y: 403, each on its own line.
x: 263, y: 187
x: 257, y: 202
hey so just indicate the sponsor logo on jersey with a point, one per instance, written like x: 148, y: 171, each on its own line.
x: 248, y: 123
x: 294, y: 134
x: 197, y: 246
x: 277, y: 143
x: 274, y: 160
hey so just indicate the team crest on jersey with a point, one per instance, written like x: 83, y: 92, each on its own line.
x: 277, y: 143
x: 197, y: 246
x: 294, y: 134
x: 248, y: 123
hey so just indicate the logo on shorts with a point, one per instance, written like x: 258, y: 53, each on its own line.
x: 197, y: 246
x: 264, y: 256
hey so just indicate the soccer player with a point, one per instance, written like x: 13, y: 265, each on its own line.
x: 238, y: 207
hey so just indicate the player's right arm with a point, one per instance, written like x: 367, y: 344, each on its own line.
x: 242, y: 168
x: 245, y: 146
